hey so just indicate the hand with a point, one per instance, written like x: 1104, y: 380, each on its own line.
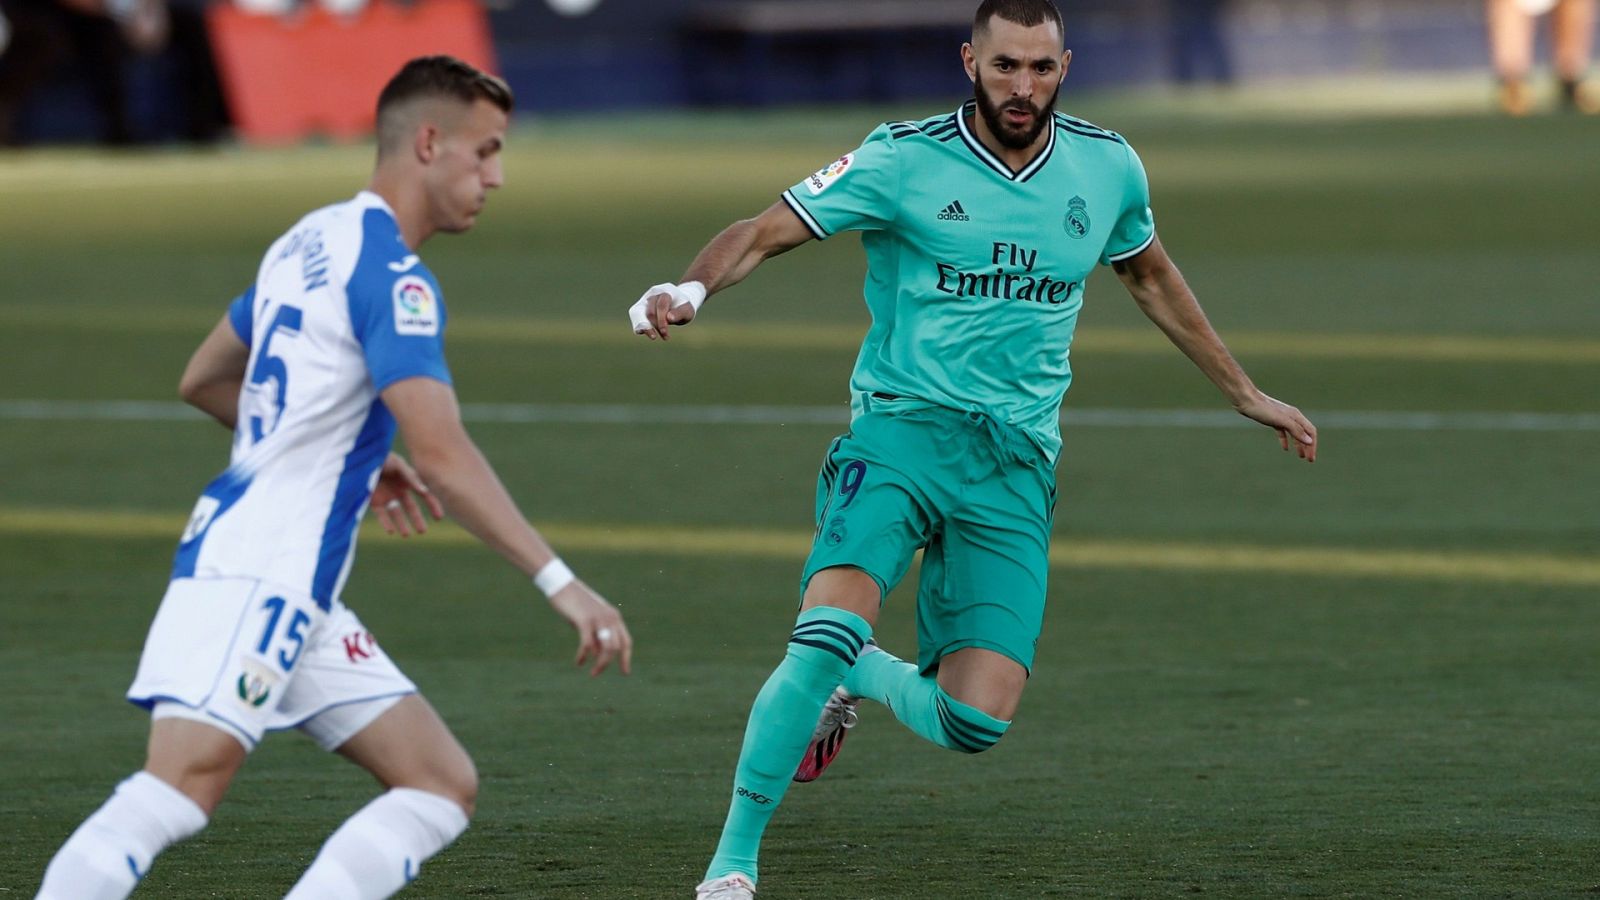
x: 601, y: 632
x: 1289, y: 422
x: 394, y: 499
x: 666, y: 305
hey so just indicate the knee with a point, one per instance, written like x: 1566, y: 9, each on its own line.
x: 454, y: 779
x: 459, y: 783
x: 847, y: 588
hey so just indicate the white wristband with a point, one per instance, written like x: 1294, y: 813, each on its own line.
x: 691, y: 294
x: 553, y: 577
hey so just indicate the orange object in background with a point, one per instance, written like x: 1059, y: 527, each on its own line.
x: 312, y: 71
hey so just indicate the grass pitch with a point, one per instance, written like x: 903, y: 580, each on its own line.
x: 1407, y: 711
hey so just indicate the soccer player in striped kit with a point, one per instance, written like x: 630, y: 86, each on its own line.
x: 980, y: 227
x: 337, y: 345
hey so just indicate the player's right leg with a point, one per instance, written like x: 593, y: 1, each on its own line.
x: 871, y: 518
x: 189, y: 768
x: 842, y: 603
x: 1511, y: 53
x: 210, y: 688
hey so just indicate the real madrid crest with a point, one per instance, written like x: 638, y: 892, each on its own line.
x: 1077, y: 220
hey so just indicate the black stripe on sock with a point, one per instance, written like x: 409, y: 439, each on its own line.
x: 958, y: 725
x: 831, y: 648
x: 955, y: 736
x: 834, y: 629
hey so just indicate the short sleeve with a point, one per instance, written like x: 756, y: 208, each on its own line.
x: 241, y: 314
x: 1135, y: 230
x: 398, y: 318
x: 856, y: 192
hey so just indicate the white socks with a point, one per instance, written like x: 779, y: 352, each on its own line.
x: 381, y: 848
x: 372, y: 855
x: 108, y: 854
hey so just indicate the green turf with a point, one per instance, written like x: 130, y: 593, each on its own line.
x: 1241, y: 734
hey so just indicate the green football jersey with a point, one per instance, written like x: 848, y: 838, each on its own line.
x: 974, y: 272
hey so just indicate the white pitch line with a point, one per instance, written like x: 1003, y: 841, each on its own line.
x: 838, y: 416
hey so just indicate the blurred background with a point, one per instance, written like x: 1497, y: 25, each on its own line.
x: 137, y: 71
x: 1370, y: 677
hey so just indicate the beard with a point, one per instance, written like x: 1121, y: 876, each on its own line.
x: 1009, y: 136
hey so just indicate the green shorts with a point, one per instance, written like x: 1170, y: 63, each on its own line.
x: 975, y: 496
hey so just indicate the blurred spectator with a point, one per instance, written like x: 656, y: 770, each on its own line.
x: 1511, y: 34
x: 45, y: 34
x: 204, y: 107
x: 1199, y: 51
x: 99, y: 39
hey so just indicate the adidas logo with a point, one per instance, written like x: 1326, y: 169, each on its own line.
x: 954, y: 213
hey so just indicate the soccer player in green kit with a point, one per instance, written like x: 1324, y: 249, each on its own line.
x: 980, y: 228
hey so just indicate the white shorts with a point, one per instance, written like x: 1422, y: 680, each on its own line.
x: 249, y: 657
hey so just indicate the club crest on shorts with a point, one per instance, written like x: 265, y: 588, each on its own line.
x: 255, y: 684
x: 415, y: 309
x: 836, y: 531
x: 1077, y: 221
x: 830, y: 173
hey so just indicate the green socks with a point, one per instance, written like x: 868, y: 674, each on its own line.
x: 924, y: 707
x: 823, y: 647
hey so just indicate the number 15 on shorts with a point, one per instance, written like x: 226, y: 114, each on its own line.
x: 285, y: 634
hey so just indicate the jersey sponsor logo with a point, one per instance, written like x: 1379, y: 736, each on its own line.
x: 415, y: 309
x: 1077, y: 221
x: 360, y: 646
x: 820, y: 180
x: 405, y: 264
x: 954, y: 213
x: 1001, y: 284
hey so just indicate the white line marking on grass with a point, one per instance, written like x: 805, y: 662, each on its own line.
x: 846, y: 337
x: 838, y: 416
x: 1455, y: 566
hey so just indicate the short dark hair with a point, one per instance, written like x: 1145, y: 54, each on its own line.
x: 1022, y: 12
x: 437, y: 76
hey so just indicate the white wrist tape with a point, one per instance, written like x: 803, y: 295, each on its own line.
x: 553, y: 577
x: 690, y: 293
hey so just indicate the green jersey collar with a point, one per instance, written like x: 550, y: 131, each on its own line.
x: 970, y: 108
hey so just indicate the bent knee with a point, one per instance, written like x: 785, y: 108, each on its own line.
x: 456, y: 781
x: 460, y: 784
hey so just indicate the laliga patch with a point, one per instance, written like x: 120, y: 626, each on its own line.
x: 415, y: 309
x: 819, y: 181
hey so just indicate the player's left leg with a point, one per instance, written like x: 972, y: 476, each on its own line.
x: 433, y: 787
x: 980, y: 606
x: 350, y: 698
x: 1573, y: 28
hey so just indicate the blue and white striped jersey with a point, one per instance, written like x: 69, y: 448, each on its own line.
x: 340, y: 309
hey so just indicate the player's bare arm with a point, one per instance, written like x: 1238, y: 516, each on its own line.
x: 215, y: 372
x: 1155, y: 283
x: 461, y: 478
x: 725, y: 261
